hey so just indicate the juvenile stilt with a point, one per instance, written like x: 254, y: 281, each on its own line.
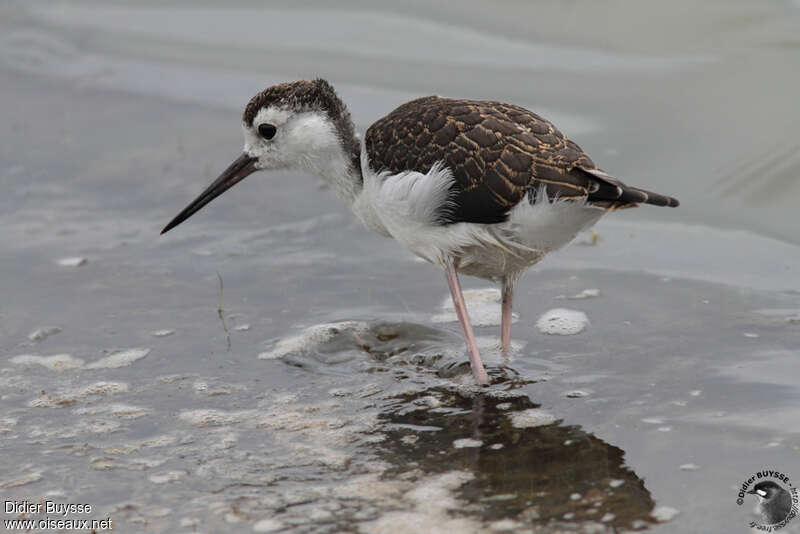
x: 461, y: 312
x: 487, y: 186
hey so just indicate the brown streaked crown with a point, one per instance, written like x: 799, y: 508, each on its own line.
x: 309, y: 95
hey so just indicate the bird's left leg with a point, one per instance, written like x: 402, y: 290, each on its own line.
x: 507, y: 293
x: 461, y: 312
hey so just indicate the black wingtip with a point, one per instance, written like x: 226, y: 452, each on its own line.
x: 635, y: 195
x: 662, y: 200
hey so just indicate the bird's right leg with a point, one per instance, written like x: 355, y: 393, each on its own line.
x: 461, y: 312
x: 505, y: 323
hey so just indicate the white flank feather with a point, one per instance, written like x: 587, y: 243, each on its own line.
x: 408, y: 205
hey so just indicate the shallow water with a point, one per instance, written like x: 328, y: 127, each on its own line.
x: 323, y: 387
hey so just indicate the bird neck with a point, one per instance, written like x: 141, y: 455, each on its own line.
x: 340, y: 168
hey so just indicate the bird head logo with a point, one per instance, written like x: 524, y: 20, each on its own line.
x: 774, y: 501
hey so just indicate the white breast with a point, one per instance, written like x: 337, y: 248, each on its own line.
x: 406, y: 205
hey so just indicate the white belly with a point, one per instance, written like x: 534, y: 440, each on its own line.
x: 531, y: 232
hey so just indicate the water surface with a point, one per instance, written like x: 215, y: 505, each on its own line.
x: 321, y: 388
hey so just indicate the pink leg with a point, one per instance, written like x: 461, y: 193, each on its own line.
x: 505, y: 328
x: 461, y: 311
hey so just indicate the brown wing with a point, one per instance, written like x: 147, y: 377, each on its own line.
x: 498, y: 153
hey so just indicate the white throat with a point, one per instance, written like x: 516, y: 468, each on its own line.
x: 335, y: 167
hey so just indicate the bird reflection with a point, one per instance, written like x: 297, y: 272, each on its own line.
x: 551, y: 474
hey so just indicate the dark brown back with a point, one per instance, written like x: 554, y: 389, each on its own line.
x: 497, y: 152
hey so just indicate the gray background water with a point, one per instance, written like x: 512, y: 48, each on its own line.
x: 116, y: 114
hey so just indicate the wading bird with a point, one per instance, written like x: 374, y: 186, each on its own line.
x: 477, y: 187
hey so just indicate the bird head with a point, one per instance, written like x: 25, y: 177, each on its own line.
x: 301, y: 125
x: 766, y: 490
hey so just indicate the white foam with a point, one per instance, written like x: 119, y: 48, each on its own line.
x: 505, y: 525
x: 71, y: 396
x: 653, y: 420
x: 664, y: 513
x: 158, y: 441
x: 310, y: 337
x: 532, y: 417
x: 466, y: 443
x: 96, y: 426
x: 562, y: 322
x: 101, y: 388
x: 123, y: 411
x: 430, y: 503
x: 16, y: 482
x: 586, y: 294
x: 202, y: 387
x: 483, y: 306
x: 167, y: 476
x: 41, y: 333
x: 72, y: 262
x: 576, y: 394
x: 6, y: 423
x: 122, y: 358
x: 187, y: 522
x: 203, y: 418
x: 268, y: 525
x: 162, y: 333
x: 57, y: 362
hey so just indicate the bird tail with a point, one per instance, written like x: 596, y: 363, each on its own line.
x: 640, y: 196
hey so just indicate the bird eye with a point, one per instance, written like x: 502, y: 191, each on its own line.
x: 267, y: 131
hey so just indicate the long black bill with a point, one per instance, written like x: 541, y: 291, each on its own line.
x: 235, y: 173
